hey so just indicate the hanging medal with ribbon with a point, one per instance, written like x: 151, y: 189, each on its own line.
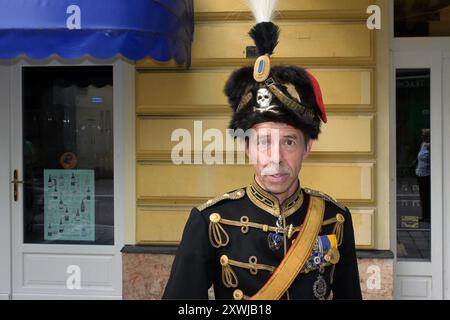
x: 275, y: 240
x: 320, y: 288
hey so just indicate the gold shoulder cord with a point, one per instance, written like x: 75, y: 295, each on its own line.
x: 235, y: 195
x: 219, y: 237
x: 229, y: 277
x: 216, y: 231
x: 338, y: 230
x: 217, y: 234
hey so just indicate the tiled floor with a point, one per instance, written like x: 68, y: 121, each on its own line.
x: 412, y: 243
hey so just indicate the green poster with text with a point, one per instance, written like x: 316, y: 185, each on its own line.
x: 69, y: 205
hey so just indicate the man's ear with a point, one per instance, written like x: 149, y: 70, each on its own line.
x: 308, y: 149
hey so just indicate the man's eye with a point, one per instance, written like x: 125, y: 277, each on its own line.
x: 290, y: 142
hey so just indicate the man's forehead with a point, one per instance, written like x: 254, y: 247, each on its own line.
x: 264, y: 134
x: 281, y: 129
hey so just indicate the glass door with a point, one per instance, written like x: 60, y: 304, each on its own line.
x: 418, y: 163
x: 64, y: 227
x: 413, y: 164
x: 67, y: 144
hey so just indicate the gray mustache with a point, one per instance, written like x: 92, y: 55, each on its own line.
x: 273, y: 169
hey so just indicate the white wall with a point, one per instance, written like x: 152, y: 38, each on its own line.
x: 5, y: 221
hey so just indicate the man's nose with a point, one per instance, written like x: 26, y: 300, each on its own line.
x: 276, y: 153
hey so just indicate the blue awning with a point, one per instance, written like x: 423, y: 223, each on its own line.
x: 136, y: 29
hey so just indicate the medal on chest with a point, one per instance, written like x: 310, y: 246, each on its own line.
x: 276, y: 239
x: 320, y: 288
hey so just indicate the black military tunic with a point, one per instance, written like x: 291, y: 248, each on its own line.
x: 226, y: 244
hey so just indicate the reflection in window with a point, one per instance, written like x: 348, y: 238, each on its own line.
x: 413, y: 164
x: 422, y: 18
x: 68, y: 155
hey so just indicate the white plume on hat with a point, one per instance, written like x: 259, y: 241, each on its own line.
x: 263, y: 9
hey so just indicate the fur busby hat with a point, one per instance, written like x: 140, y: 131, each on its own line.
x: 261, y: 93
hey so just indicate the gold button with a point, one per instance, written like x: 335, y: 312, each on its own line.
x: 224, y: 260
x: 327, y: 258
x: 238, y: 294
x: 340, y: 218
x: 214, y: 217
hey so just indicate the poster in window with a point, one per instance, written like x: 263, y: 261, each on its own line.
x: 69, y: 205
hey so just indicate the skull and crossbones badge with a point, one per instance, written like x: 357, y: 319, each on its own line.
x: 264, y: 99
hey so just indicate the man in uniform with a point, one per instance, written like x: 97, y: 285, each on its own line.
x: 272, y: 239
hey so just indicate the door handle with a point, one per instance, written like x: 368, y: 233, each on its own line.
x: 16, y: 183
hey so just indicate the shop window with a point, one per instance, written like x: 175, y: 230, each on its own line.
x: 422, y: 18
x: 68, y: 155
x: 413, y: 164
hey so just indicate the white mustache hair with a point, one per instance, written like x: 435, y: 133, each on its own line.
x: 275, y: 169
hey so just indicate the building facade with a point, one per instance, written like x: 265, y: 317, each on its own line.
x: 349, y: 161
x: 380, y: 90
